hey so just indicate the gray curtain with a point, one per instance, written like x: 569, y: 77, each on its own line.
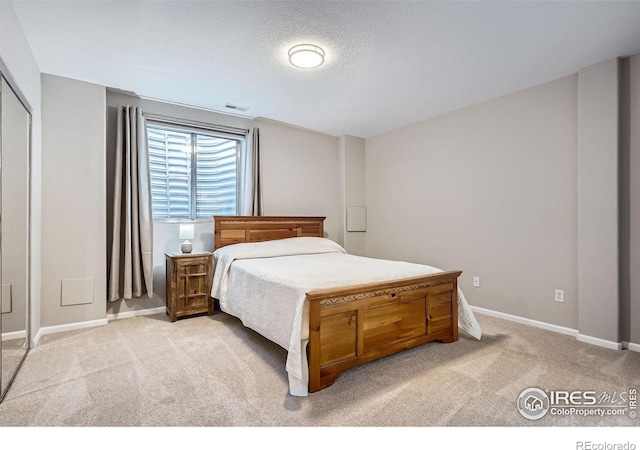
x: 251, y: 204
x: 131, y: 267
x: 256, y: 176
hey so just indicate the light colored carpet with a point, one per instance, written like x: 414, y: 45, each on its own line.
x: 213, y: 372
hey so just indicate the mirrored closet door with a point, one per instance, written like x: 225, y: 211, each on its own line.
x: 15, y: 132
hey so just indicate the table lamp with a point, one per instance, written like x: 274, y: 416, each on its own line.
x: 187, y: 232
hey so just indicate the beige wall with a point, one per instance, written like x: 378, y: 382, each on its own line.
x: 73, y: 198
x: 352, y: 188
x: 630, y: 201
x: 598, y: 260
x: 22, y: 70
x: 490, y: 190
x: 301, y: 174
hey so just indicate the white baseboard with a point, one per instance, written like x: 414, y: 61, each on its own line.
x: 140, y: 312
x: 92, y: 323
x: 599, y: 342
x: 558, y: 329
x: 10, y: 335
x: 67, y: 327
x: 631, y: 346
x: 525, y: 321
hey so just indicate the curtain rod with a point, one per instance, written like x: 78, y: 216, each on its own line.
x: 196, y: 124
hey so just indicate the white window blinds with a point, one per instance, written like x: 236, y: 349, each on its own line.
x: 193, y: 174
x: 216, y: 176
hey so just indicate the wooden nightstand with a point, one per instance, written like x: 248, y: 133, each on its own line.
x: 189, y: 281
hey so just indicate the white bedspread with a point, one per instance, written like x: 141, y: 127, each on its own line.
x: 264, y: 285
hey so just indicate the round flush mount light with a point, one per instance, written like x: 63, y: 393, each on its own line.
x: 306, y: 56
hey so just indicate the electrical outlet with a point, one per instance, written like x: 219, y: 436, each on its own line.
x: 559, y: 296
x: 476, y: 281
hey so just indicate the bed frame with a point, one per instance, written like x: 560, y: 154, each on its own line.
x: 352, y: 325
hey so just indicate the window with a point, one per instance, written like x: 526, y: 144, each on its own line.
x: 194, y: 173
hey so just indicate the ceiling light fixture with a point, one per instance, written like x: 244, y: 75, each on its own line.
x: 306, y: 56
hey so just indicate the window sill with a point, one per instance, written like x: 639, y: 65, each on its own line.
x: 178, y: 221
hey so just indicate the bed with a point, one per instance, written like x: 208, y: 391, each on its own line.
x: 330, y: 310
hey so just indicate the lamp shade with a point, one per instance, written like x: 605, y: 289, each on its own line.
x: 187, y: 231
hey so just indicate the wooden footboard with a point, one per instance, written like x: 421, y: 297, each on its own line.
x: 354, y: 325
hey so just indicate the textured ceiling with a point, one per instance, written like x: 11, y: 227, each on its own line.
x: 388, y: 64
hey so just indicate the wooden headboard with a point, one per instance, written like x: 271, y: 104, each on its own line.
x: 236, y: 229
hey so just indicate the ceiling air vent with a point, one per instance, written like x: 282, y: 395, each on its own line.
x: 235, y: 107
